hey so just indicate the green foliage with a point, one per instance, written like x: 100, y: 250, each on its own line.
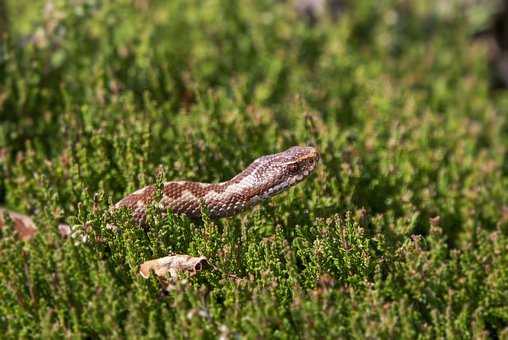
x: 401, y: 232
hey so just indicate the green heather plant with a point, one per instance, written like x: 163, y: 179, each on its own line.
x: 401, y: 232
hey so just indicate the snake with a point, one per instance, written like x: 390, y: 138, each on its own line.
x: 265, y: 177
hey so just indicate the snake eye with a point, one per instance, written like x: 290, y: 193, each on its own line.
x: 293, y: 168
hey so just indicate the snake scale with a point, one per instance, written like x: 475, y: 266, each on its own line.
x: 263, y: 178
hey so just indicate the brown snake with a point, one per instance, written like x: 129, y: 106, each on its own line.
x: 263, y: 178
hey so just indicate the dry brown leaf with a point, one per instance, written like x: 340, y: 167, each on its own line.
x: 173, y: 265
x: 25, y: 226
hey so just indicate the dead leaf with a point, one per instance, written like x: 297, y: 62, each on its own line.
x: 25, y: 226
x: 173, y: 265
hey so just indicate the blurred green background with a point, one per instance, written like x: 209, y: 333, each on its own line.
x: 402, y: 231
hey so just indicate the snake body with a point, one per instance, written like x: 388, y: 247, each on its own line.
x: 263, y: 178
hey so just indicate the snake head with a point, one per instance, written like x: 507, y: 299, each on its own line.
x: 279, y: 171
x: 299, y: 161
